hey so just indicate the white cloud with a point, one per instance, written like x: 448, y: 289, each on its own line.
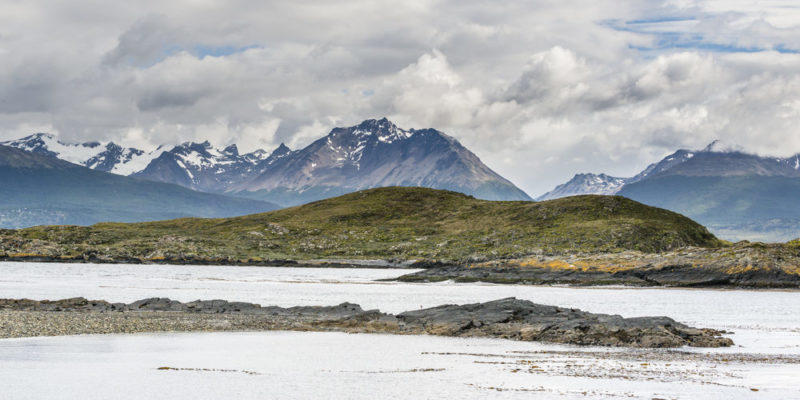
x: 539, y: 90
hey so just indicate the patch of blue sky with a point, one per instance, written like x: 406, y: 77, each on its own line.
x: 665, y: 26
x: 662, y: 29
x: 658, y: 20
x: 673, y: 40
x: 202, y: 51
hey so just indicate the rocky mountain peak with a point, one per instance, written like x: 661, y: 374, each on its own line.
x: 381, y: 129
x: 203, y: 149
x: 282, y: 150
x: 373, y: 153
x: 40, y: 137
x: 232, y: 150
x: 111, y: 146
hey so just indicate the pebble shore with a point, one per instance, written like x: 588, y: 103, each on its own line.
x: 14, y: 324
x: 505, y: 318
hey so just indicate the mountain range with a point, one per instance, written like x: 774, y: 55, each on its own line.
x: 39, y: 189
x: 736, y: 194
x: 374, y: 153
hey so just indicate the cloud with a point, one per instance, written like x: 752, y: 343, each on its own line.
x: 539, y: 90
x: 556, y: 69
x: 148, y: 41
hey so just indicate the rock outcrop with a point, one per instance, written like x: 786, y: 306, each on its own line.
x: 506, y: 318
x: 741, y: 265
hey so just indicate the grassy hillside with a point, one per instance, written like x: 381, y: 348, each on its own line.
x: 36, y: 190
x: 400, y: 223
x: 761, y: 208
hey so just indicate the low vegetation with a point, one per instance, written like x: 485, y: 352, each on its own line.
x: 398, y: 223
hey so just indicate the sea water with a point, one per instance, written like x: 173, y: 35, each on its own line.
x: 765, y: 325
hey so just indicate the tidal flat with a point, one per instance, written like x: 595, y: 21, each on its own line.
x: 764, y: 362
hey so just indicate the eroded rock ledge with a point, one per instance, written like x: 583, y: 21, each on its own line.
x: 506, y: 318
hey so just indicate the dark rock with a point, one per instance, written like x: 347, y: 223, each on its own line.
x: 506, y: 318
x: 157, y: 304
x: 680, y: 275
x: 524, y: 320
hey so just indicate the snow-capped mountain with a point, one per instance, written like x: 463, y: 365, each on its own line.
x: 735, y: 194
x: 194, y: 165
x: 372, y: 154
x: 49, y: 145
x: 109, y: 158
x: 39, y: 189
x: 586, y: 184
x: 676, y: 158
x: 604, y: 184
x: 122, y: 160
x: 716, y: 159
x: 201, y: 167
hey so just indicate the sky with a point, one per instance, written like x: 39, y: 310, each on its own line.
x: 539, y: 90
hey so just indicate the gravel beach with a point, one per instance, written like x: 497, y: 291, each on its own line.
x: 508, y: 318
x: 47, y: 323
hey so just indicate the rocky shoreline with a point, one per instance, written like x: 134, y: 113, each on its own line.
x: 322, y: 263
x: 506, y: 318
x: 669, y: 276
x: 738, y: 266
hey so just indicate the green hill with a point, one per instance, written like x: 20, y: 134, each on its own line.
x: 38, y: 190
x: 385, y: 223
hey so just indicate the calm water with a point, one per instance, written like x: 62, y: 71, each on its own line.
x: 766, y: 326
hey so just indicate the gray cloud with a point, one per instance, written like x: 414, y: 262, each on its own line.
x: 539, y: 90
x: 147, y: 42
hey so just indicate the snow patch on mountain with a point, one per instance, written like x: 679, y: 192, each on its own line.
x: 47, y: 144
x: 374, y: 153
x: 135, y: 162
x: 586, y: 184
x: 719, y: 159
x: 108, y: 158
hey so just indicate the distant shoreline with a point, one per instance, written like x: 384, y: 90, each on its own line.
x: 509, y: 272
x: 325, y: 263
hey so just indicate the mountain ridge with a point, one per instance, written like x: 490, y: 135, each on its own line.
x: 736, y: 194
x: 377, y: 153
x: 682, y: 162
x: 40, y: 189
x: 374, y: 153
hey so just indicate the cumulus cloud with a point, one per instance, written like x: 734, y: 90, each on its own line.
x: 539, y: 90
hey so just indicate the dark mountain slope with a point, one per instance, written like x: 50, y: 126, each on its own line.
x: 753, y: 207
x: 38, y: 189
